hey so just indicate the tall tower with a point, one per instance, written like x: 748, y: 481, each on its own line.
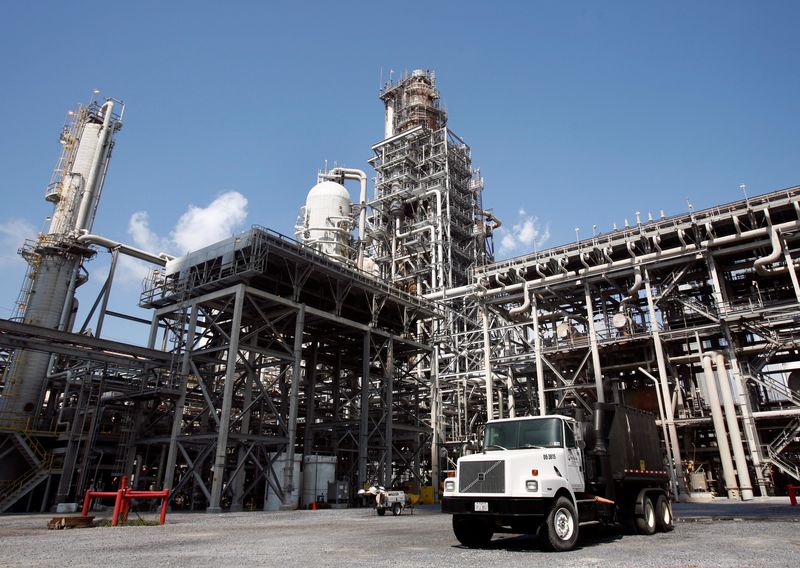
x: 428, y: 224
x: 55, y: 258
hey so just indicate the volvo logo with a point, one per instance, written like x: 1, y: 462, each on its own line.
x: 481, y: 476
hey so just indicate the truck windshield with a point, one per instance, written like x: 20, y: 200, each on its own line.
x: 522, y: 434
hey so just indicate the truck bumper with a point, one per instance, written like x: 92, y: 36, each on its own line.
x: 499, y: 507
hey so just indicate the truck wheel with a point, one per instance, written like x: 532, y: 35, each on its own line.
x: 560, y: 529
x: 472, y: 533
x: 396, y: 509
x: 381, y: 511
x: 646, y: 524
x: 664, y: 520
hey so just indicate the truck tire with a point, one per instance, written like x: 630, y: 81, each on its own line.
x: 664, y: 519
x: 472, y: 533
x: 396, y: 509
x: 646, y: 524
x: 381, y: 511
x: 560, y: 529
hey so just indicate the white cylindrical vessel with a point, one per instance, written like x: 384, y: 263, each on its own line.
x: 73, y: 183
x: 328, y: 219
x: 272, y: 502
x: 318, y: 471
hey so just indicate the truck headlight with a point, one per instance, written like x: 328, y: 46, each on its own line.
x: 532, y: 485
x: 450, y: 485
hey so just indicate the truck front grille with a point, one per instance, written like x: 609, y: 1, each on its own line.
x: 482, y: 477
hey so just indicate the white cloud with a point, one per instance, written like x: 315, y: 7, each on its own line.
x: 196, y: 228
x: 526, y: 235
x: 12, y: 236
x: 199, y: 226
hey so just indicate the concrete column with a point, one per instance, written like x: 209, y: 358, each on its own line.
x: 177, y: 420
x: 719, y: 428
x: 598, y: 372
x: 218, y: 470
x: 297, y: 374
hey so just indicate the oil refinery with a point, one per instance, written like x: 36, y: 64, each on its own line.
x: 372, y: 347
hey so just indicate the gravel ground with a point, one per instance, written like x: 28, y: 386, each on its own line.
x: 357, y: 537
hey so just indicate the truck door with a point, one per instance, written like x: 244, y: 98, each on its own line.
x: 574, y: 458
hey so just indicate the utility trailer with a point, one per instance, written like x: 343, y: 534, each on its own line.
x: 394, y: 501
x: 550, y: 475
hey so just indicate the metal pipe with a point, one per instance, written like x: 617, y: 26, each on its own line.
x: 526, y: 304
x: 352, y: 173
x: 676, y: 251
x: 160, y: 259
x: 672, y: 475
x: 487, y: 363
x: 100, y: 153
x: 733, y: 429
x: 719, y: 426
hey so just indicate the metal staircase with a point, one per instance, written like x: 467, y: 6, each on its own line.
x: 41, y: 462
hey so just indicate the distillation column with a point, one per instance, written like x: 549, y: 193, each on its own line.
x: 56, y: 258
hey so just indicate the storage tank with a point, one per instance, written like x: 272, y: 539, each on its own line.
x: 318, y: 472
x: 329, y: 219
x: 272, y: 501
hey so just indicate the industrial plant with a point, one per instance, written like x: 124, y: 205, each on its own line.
x: 372, y: 346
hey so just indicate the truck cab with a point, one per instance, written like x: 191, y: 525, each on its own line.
x: 536, y: 475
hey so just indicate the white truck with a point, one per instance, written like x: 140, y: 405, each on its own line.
x: 549, y: 475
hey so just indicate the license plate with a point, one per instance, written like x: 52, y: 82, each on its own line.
x: 482, y: 506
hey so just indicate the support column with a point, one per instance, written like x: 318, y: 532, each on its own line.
x: 363, y: 428
x: 537, y: 348
x: 237, y: 483
x: 435, y: 433
x: 177, y: 420
x: 791, y: 268
x: 662, y: 377
x: 388, y: 434
x: 598, y: 372
x: 311, y: 383
x: 297, y: 374
x: 218, y: 470
x: 487, y: 362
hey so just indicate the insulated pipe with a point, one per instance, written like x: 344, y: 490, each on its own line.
x: 352, y: 173
x: 777, y: 249
x: 83, y: 220
x: 633, y: 291
x: 489, y: 217
x: 160, y: 259
x: 432, y: 229
x: 733, y: 429
x: 627, y: 263
x: 526, y: 304
x: 719, y: 426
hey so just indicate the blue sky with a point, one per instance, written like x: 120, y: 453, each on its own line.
x: 578, y: 113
